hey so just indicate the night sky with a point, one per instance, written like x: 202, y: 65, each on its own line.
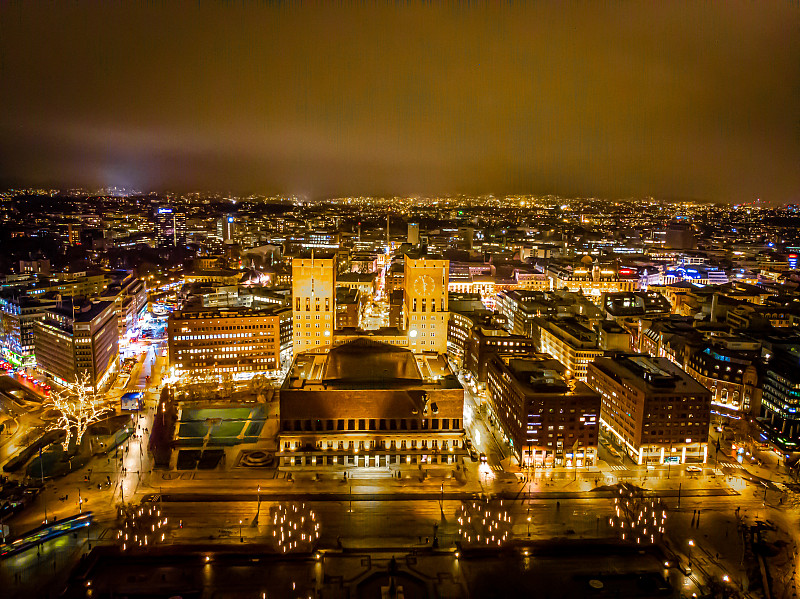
x: 673, y: 100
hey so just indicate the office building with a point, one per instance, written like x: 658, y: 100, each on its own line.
x: 226, y: 227
x: 205, y: 341
x: 413, y: 234
x: 364, y: 283
x: 612, y: 337
x: 487, y: 340
x: 569, y: 342
x: 656, y: 412
x: 779, y: 418
x: 348, y: 308
x: 460, y: 327
x: 73, y: 340
x: 36, y: 267
x: 679, y: 236
x: 19, y: 313
x: 547, y: 420
x: 170, y: 227
x: 728, y: 368
x: 394, y: 279
x: 630, y: 305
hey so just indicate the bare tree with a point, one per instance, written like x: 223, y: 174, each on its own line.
x: 76, y: 408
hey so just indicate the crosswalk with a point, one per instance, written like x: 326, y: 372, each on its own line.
x: 618, y: 467
x: 733, y: 465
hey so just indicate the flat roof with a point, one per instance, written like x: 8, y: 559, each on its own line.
x: 652, y: 375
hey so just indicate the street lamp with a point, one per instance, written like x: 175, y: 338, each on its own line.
x: 529, y: 522
x: 241, y: 539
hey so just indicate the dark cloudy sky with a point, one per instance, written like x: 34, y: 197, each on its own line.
x: 697, y: 100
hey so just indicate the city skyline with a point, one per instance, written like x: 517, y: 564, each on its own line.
x: 469, y: 300
x: 674, y: 101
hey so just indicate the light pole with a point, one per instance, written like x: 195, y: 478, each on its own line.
x: 241, y: 538
x: 529, y: 523
x: 44, y: 495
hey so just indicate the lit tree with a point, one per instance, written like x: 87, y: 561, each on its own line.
x: 294, y: 526
x: 479, y: 523
x: 75, y: 408
x: 638, y: 519
x: 142, y: 527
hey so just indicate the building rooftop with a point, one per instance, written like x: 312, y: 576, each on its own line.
x: 85, y: 312
x: 200, y: 312
x: 545, y: 376
x: 356, y: 277
x: 648, y: 374
x: 368, y: 364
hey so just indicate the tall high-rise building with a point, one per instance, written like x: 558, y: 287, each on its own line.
x: 425, y: 302
x: 679, y: 236
x: 413, y: 233
x: 170, y: 227
x: 225, y: 228
x: 313, y: 302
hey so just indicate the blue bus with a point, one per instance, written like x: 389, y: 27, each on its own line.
x: 44, y: 533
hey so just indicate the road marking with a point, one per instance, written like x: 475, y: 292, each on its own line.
x: 618, y: 467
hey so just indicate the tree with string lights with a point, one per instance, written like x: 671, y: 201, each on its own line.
x: 142, y: 527
x: 295, y: 527
x: 482, y: 523
x: 75, y: 409
x: 638, y: 518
